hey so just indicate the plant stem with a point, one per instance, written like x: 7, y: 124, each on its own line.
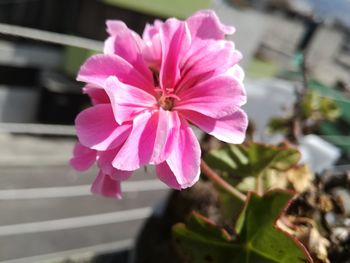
x: 297, y: 123
x: 213, y: 176
x: 259, y: 185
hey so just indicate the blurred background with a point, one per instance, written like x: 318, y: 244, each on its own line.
x: 47, y: 212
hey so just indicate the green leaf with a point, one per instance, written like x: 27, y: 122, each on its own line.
x: 202, y: 241
x: 258, y: 240
x: 319, y: 108
x: 230, y: 206
x: 252, y: 159
x: 240, y: 165
x: 202, y: 225
x: 279, y: 125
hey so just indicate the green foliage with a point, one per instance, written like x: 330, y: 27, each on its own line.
x: 242, y: 164
x: 257, y: 239
x: 279, y: 125
x: 319, y: 108
x: 315, y: 109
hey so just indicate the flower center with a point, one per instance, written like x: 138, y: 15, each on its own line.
x: 167, y: 103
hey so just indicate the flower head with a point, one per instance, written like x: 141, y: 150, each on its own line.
x: 147, y: 91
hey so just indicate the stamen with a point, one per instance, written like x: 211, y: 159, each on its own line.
x: 166, y: 99
x: 158, y: 90
x: 166, y: 102
x: 174, y: 96
x: 170, y: 89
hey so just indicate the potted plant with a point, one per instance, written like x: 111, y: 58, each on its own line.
x: 254, y: 202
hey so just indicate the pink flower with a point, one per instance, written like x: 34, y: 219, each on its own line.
x: 146, y: 93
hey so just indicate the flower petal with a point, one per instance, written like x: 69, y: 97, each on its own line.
x: 98, y: 130
x: 167, y: 176
x: 138, y: 148
x: 151, y: 30
x: 230, y: 129
x: 83, y: 157
x: 152, y: 139
x: 152, y: 50
x: 184, y: 161
x: 127, y: 101
x: 175, y: 40
x: 98, y: 68
x: 166, y: 135
x: 237, y: 72
x: 105, y: 164
x: 96, y: 94
x: 216, y: 97
x: 152, y: 53
x: 119, y: 175
x: 205, y: 24
x: 114, y: 27
x: 207, y: 59
x: 106, y: 186
x: 126, y: 44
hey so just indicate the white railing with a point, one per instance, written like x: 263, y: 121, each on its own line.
x: 50, y: 37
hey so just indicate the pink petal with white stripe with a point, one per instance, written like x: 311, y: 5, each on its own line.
x: 175, y: 40
x: 126, y: 44
x: 216, y: 97
x: 230, y: 129
x: 98, y: 130
x: 98, y: 68
x: 207, y: 59
x: 166, y: 135
x: 128, y: 101
x: 138, y: 148
x: 152, y: 140
x: 167, y: 176
x: 184, y: 161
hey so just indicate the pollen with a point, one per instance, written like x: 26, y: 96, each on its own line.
x: 166, y: 102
